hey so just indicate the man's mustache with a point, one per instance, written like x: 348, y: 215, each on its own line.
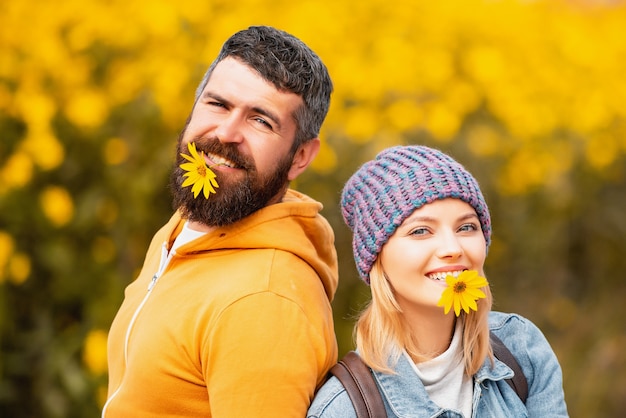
x: 212, y: 145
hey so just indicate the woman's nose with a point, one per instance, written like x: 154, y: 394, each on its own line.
x: 449, y: 246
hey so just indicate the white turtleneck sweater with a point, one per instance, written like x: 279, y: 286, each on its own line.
x: 445, y: 379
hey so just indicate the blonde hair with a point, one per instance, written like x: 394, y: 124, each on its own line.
x: 381, y: 333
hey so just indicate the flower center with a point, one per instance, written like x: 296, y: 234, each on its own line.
x: 459, y: 287
x: 202, y: 170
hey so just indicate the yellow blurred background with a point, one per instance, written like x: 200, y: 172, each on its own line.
x: 529, y: 95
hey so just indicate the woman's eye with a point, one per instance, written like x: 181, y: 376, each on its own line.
x: 468, y: 228
x: 419, y: 231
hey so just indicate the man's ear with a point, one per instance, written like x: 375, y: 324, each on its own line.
x: 303, y: 157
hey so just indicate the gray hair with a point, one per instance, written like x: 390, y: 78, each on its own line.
x: 287, y: 63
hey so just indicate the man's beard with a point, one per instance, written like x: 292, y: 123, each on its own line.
x: 233, y: 200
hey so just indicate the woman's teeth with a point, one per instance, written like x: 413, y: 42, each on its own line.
x: 440, y: 276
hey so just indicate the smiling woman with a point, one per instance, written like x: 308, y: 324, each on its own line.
x: 417, y: 217
x: 438, y: 240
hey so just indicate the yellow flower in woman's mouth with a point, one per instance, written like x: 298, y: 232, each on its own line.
x: 198, y: 174
x: 462, y: 292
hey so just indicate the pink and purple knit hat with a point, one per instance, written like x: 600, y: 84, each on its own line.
x: 385, y: 191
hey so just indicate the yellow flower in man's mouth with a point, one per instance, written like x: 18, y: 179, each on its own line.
x: 462, y: 292
x: 198, y: 174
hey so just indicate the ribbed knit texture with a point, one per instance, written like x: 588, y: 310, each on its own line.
x: 385, y: 191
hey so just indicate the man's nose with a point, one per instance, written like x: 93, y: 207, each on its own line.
x: 229, y: 129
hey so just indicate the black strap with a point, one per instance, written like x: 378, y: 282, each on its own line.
x: 502, y: 353
x: 358, y: 381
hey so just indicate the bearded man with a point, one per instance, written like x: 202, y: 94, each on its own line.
x: 230, y: 315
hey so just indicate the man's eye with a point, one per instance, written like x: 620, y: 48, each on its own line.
x: 264, y: 123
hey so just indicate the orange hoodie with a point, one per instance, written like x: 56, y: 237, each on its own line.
x: 236, y: 323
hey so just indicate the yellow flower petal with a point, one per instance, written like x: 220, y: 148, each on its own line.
x: 196, y: 188
x: 188, y: 158
x: 450, y: 280
x: 475, y: 293
x: 191, y: 180
x: 207, y: 188
x: 471, y: 304
x: 445, y: 300
x: 192, y: 149
x: 187, y: 166
x: 457, y: 306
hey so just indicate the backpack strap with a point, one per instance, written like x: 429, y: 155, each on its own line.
x: 358, y: 381
x: 518, y: 381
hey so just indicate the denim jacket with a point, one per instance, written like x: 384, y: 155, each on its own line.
x: 404, y: 394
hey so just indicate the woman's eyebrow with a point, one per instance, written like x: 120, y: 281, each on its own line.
x: 423, y: 218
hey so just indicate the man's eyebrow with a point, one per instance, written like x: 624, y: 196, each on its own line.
x: 208, y: 95
x: 269, y: 114
x: 265, y: 112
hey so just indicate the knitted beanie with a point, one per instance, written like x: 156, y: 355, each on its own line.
x: 385, y: 191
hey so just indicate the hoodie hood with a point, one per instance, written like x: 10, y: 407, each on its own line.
x: 294, y: 225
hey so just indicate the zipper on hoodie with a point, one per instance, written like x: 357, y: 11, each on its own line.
x: 165, y: 260
x: 166, y: 257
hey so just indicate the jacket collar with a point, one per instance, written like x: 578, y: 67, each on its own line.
x: 405, y: 392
